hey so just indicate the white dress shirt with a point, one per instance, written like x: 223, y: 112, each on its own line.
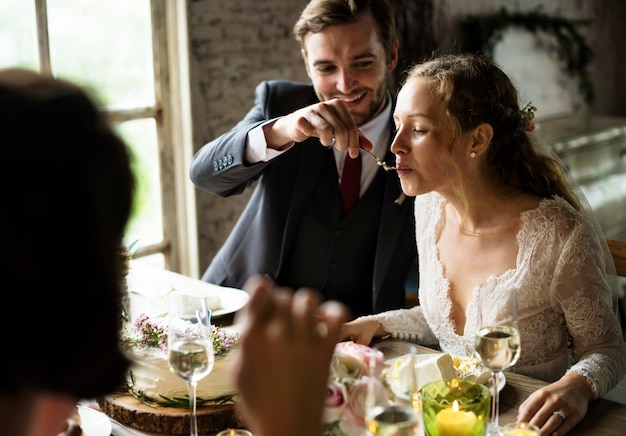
x: 376, y: 130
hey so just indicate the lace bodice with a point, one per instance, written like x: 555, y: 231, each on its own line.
x: 567, y: 311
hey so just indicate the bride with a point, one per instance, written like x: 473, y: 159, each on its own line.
x: 492, y: 210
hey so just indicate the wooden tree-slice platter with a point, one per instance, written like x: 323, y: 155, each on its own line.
x: 129, y: 411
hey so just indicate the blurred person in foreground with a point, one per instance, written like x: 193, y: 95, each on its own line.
x: 294, y: 142
x: 66, y: 196
x: 287, y: 342
x: 494, y: 210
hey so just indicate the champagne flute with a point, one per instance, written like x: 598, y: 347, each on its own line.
x: 390, y: 410
x: 497, y: 342
x: 190, y: 344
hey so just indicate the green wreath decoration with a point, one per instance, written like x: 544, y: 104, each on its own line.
x: 483, y: 32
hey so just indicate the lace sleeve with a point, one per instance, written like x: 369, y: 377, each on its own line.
x: 407, y: 324
x: 587, y: 292
x: 582, y: 290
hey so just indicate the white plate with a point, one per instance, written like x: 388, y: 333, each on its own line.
x: 473, y: 370
x: 232, y: 300
x: 149, y: 285
x: 94, y: 423
x: 479, y: 370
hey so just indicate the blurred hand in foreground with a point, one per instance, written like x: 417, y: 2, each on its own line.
x: 282, y: 369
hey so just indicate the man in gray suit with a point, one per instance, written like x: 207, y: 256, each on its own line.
x: 294, y: 142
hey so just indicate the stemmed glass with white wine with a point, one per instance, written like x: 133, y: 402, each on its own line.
x: 497, y: 342
x: 190, y: 344
x: 390, y: 410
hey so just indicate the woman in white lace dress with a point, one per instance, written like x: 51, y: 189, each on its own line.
x: 493, y: 211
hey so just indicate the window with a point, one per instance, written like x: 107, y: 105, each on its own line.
x: 131, y: 57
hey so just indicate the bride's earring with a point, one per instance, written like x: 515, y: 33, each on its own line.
x: 473, y: 154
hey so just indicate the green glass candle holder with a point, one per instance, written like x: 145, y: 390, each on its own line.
x: 455, y: 408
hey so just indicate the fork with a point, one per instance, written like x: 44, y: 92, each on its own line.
x: 380, y: 162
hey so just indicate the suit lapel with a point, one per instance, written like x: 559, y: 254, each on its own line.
x: 311, y: 157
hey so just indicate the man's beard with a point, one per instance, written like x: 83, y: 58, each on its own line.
x: 376, y: 105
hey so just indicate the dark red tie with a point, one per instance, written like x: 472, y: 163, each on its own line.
x: 350, y: 182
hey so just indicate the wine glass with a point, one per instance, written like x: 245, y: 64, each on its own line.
x: 389, y: 404
x: 190, y: 344
x: 497, y: 342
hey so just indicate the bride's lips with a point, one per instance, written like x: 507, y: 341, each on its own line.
x: 403, y: 169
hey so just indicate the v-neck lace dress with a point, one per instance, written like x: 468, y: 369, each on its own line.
x: 567, y: 315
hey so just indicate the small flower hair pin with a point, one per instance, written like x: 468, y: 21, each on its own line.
x: 527, y: 114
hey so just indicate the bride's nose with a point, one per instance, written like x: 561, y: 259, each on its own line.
x: 399, y: 146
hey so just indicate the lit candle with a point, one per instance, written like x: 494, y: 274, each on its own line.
x: 521, y: 432
x: 522, y: 429
x: 454, y: 422
x: 234, y: 432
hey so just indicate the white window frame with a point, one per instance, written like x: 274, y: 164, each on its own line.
x: 172, y: 114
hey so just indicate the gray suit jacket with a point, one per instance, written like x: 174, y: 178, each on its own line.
x: 269, y: 224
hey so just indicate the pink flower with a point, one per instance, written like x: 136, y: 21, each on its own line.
x: 348, y: 387
x: 357, y: 399
x: 527, y: 114
x: 353, y: 360
x: 335, y: 401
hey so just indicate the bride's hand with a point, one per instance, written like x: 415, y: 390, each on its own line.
x: 559, y: 406
x: 362, y: 330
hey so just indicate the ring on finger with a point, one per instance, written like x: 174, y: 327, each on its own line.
x: 560, y: 414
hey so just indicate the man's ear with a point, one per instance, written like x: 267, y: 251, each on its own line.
x: 306, y: 62
x: 393, y: 56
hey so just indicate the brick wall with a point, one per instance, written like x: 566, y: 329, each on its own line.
x: 235, y: 44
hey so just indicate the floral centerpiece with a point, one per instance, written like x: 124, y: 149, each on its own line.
x: 148, y: 333
x: 151, y: 334
x: 354, y: 369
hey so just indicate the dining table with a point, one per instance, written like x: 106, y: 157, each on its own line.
x: 604, y: 417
